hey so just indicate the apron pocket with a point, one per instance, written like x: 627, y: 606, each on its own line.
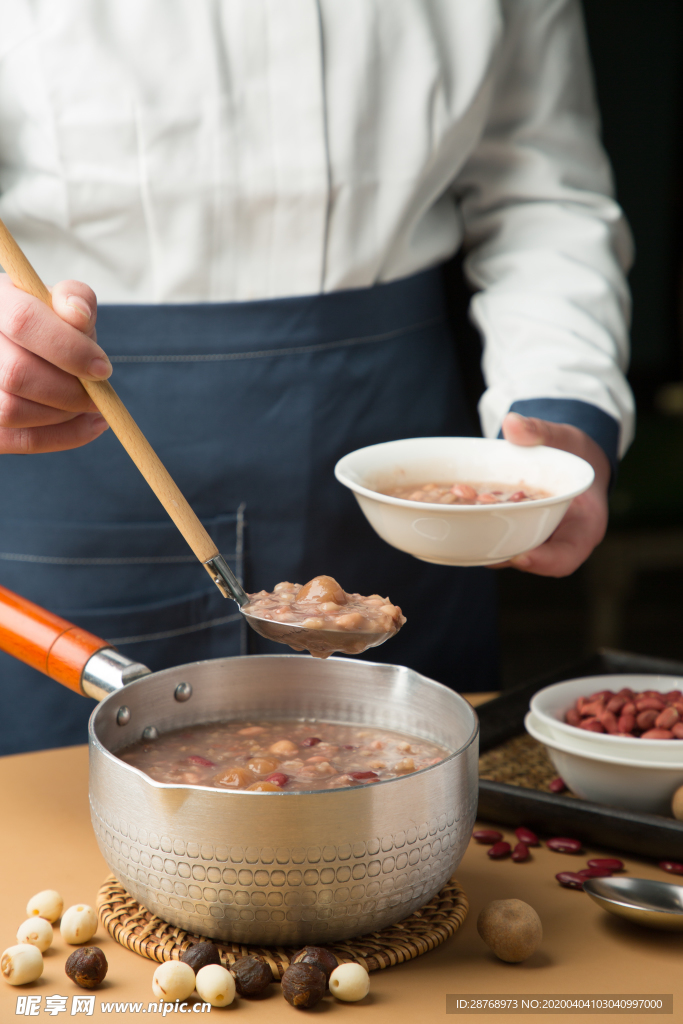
x: 75, y: 567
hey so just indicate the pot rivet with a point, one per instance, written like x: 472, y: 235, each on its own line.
x: 183, y: 692
x: 150, y: 733
x: 123, y: 715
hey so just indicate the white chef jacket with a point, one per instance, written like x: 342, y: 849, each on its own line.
x: 217, y: 150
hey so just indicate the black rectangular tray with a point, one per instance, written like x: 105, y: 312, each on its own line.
x: 646, y: 835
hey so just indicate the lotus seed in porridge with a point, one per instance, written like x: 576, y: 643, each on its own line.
x: 280, y: 756
x: 466, y: 494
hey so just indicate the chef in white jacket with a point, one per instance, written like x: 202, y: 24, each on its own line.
x: 260, y: 194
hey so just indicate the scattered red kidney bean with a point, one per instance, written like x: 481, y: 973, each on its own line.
x: 649, y: 715
x: 562, y: 844
x: 672, y: 866
x: 498, y: 850
x: 609, y: 863
x: 487, y: 835
x: 595, y: 873
x: 520, y: 853
x: 203, y: 761
x: 570, y: 879
x: 557, y: 785
x: 279, y: 778
x: 525, y: 835
x: 312, y: 741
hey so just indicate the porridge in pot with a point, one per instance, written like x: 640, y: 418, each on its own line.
x: 466, y: 493
x: 280, y: 756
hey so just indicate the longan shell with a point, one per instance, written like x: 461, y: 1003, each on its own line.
x: 511, y: 929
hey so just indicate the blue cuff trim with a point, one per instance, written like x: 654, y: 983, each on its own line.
x: 598, y: 424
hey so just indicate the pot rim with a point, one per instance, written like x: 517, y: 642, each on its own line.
x: 94, y: 742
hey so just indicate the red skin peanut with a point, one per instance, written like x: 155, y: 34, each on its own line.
x: 592, y: 725
x: 557, y: 785
x: 609, y: 722
x: 592, y: 709
x: 626, y: 724
x: 594, y: 873
x: 312, y: 741
x: 615, y: 704
x: 526, y: 836
x: 487, y: 835
x: 498, y: 851
x: 203, y: 761
x: 520, y: 853
x: 627, y: 692
x: 573, y: 717
x: 672, y: 866
x: 602, y: 695
x: 667, y: 718
x: 678, y: 704
x: 677, y: 731
x: 657, y: 734
x: 609, y: 863
x: 646, y: 719
x: 672, y: 696
x: 569, y: 880
x: 279, y: 778
x: 363, y: 776
x: 562, y: 844
x: 650, y: 704
x: 629, y: 708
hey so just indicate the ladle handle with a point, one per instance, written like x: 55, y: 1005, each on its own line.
x: 45, y: 641
x: 22, y: 274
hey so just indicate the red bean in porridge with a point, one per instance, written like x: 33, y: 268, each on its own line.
x: 280, y: 756
x: 322, y: 604
x: 466, y: 494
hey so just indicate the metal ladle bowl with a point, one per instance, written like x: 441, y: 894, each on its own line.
x: 320, y: 642
x: 644, y: 901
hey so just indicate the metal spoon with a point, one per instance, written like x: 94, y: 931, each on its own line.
x: 641, y: 900
x: 320, y: 642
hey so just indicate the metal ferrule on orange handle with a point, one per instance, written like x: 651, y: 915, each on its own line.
x: 45, y: 641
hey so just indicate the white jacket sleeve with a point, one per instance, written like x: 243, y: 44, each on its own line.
x: 548, y: 246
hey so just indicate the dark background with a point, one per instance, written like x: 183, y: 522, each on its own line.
x: 630, y: 592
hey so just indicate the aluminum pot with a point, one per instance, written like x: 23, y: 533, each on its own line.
x: 265, y: 868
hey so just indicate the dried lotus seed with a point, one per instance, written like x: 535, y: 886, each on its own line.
x: 21, y: 964
x: 173, y: 980
x: 79, y: 924
x: 48, y: 904
x: 36, y: 931
x: 215, y: 985
x: 349, y: 982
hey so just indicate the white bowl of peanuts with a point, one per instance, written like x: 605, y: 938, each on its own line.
x: 638, y: 717
x: 630, y: 783
x: 463, y: 500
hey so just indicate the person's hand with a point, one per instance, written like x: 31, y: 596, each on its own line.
x: 585, y: 521
x: 43, y: 407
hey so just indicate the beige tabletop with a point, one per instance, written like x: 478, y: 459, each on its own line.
x: 48, y: 843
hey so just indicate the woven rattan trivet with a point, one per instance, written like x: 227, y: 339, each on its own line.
x: 136, y: 928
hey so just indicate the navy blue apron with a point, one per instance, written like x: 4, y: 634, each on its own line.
x: 249, y: 406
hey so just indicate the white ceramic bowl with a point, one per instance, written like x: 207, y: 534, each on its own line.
x: 634, y: 786
x: 550, y: 705
x: 463, y: 534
